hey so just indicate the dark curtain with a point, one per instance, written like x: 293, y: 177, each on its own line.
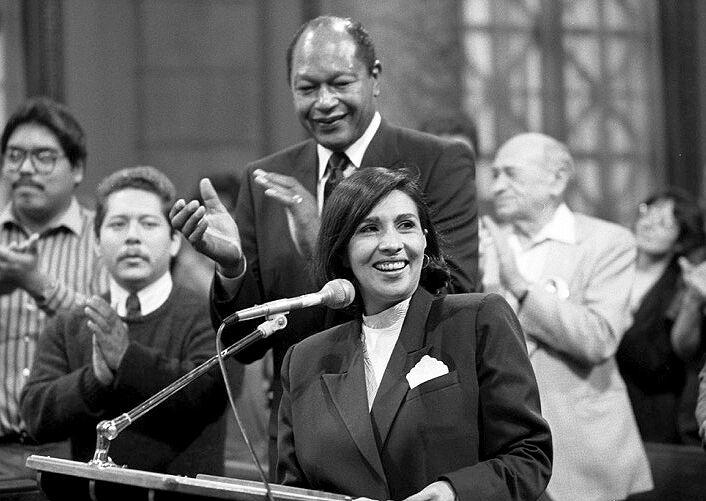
x: 42, y: 41
x: 680, y: 56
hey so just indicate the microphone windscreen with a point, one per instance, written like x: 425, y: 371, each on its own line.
x: 338, y: 293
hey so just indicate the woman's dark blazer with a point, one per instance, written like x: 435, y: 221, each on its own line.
x: 479, y: 426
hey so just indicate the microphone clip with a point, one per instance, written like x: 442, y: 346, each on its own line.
x: 272, y: 324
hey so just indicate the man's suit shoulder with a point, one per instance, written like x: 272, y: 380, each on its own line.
x: 417, y: 140
x: 282, y: 160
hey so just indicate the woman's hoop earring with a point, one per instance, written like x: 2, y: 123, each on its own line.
x: 425, y: 261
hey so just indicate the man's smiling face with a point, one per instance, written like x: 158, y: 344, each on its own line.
x: 333, y: 91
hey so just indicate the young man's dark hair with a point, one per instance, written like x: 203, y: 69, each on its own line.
x: 141, y: 178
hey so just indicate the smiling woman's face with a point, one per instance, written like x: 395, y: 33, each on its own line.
x: 386, y: 252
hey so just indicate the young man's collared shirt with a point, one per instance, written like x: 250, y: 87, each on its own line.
x: 151, y: 297
x: 67, y: 252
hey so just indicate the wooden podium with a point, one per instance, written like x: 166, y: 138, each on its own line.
x: 64, y: 480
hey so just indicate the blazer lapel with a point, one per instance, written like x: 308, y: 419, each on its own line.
x: 349, y: 395
x: 408, y: 350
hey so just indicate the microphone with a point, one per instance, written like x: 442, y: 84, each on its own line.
x: 336, y: 294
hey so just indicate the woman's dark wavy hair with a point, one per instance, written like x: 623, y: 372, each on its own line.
x: 689, y: 217
x: 350, y: 203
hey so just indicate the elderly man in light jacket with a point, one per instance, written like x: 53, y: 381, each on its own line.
x: 569, y: 276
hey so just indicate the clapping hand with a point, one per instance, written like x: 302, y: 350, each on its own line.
x: 510, y: 277
x: 210, y: 229
x: 694, y: 277
x: 109, y: 331
x: 100, y: 367
x: 300, y: 207
x: 18, y: 267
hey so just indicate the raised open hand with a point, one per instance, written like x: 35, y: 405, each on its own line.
x: 210, y: 229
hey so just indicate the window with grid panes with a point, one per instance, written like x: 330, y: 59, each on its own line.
x: 583, y: 71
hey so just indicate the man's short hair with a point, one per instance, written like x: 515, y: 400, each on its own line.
x: 365, y: 51
x: 140, y: 178
x: 55, y: 117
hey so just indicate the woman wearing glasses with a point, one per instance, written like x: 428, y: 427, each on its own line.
x: 669, y: 227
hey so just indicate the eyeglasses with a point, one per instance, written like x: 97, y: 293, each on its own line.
x: 659, y: 215
x: 43, y: 159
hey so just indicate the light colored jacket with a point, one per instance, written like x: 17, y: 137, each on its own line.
x: 574, y: 317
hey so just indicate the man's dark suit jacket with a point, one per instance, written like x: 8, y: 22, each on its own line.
x: 274, y: 268
x: 478, y: 426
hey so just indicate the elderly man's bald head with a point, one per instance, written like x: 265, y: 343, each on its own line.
x: 540, y: 150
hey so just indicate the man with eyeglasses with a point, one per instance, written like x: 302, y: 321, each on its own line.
x: 48, y: 258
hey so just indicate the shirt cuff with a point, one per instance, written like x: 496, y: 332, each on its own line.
x: 231, y: 285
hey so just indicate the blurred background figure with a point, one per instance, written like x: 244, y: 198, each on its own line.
x: 665, y: 329
x: 48, y: 255
x: 568, y: 275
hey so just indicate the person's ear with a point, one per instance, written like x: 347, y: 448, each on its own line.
x: 560, y: 181
x: 375, y: 73
x: 175, y: 243
x: 77, y: 172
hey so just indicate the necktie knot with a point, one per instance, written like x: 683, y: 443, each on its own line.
x: 132, y: 306
x: 337, y: 164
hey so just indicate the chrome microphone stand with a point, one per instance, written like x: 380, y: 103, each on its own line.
x: 108, y: 430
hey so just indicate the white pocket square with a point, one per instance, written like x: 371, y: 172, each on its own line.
x: 427, y: 368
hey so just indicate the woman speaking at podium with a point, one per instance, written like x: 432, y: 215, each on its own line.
x: 422, y: 396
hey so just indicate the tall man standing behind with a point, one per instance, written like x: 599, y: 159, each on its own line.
x: 48, y: 258
x: 569, y: 275
x: 335, y: 81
